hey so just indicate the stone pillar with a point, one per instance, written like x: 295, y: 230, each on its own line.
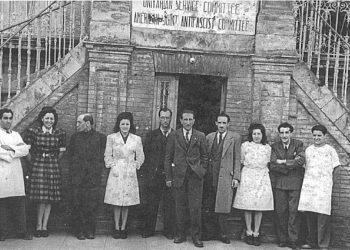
x: 109, y: 57
x: 272, y: 64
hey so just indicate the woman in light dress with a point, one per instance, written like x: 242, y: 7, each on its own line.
x: 254, y: 193
x: 123, y: 155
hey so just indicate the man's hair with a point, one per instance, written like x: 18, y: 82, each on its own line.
x: 165, y: 110
x: 5, y: 110
x: 286, y: 125
x: 223, y: 114
x: 88, y: 118
x: 187, y: 111
x: 319, y: 127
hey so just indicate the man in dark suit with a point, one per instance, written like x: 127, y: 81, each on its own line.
x: 224, y: 149
x: 286, y: 173
x: 86, y: 158
x: 185, y: 164
x: 153, y: 178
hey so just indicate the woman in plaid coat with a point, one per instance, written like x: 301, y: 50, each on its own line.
x: 47, y: 147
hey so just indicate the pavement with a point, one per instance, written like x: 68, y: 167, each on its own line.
x: 64, y: 241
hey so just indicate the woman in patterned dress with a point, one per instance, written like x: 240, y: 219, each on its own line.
x: 254, y: 193
x: 123, y: 155
x: 47, y: 147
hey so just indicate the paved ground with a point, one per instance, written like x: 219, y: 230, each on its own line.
x: 158, y: 242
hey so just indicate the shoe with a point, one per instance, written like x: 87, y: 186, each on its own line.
x: 306, y: 246
x: 197, y: 242
x: 282, y: 244
x: 147, y: 234
x: 80, y: 236
x: 256, y: 241
x: 123, y: 234
x: 293, y: 246
x: 249, y: 239
x: 169, y: 236
x: 179, y: 239
x: 3, y: 237
x: 116, y: 234
x: 90, y: 236
x: 37, y: 233
x: 44, y: 233
x: 27, y: 236
x: 225, y: 239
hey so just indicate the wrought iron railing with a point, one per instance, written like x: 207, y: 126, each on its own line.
x: 32, y: 40
x: 322, y: 28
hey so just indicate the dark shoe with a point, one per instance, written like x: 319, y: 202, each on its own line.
x: 27, y: 236
x: 256, y: 241
x: 116, y: 234
x: 169, y: 236
x: 282, y: 244
x: 147, y: 234
x: 123, y: 234
x: 249, y: 239
x: 3, y: 237
x: 80, y: 236
x: 179, y: 239
x: 44, y: 233
x: 225, y: 239
x: 37, y: 233
x: 197, y: 242
x: 90, y: 236
x: 293, y: 246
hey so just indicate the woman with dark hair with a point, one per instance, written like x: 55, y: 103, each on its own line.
x: 254, y: 193
x: 123, y: 155
x: 47, y: 147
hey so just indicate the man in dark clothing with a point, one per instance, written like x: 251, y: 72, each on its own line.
x: 86, y: 157
x: 286, y: 173
x: 153, y: 175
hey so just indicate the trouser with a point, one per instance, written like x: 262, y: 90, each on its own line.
x: 189, y: 194
x: 214, y: 227
x: 13, y: 207
x: 85, y: 205
x: 319, y: 229
x: 288, y: 221
x: 155, y: 193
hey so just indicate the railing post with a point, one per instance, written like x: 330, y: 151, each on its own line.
x: 19, y: 64
x: 28, y: 54
x: 1, y: 50
x: 38, y: 45
x: 9, y: 74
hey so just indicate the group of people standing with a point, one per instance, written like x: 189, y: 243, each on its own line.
x: 171, y: 166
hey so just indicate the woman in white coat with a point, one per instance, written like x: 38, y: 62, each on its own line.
x: 123, y: 155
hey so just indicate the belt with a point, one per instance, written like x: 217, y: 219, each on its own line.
x: 47, y: 155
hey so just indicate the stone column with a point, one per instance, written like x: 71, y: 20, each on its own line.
x: 109, y: 56
x: 273, y: 62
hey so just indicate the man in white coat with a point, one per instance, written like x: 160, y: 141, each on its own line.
x: 12, y: 194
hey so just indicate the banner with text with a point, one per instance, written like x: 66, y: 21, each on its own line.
x: 224, y: 17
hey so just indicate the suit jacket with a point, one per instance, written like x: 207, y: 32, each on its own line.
x: 178, y: 158
x: 289, y: 175
x: 154, y: 156
x: 230, y: 168
x: 85, y: 155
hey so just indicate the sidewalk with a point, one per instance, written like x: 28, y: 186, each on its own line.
x: 60, y: 241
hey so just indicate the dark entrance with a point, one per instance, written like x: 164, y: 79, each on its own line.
x: 204, y: 95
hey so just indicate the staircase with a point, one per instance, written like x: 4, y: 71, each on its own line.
x: 39, y: 54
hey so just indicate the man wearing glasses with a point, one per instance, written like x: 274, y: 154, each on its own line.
x: 153, y: 178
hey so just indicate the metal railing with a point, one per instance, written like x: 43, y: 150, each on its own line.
x: 322, y: 28
x: 31, y: 40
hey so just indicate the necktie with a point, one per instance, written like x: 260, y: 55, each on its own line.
x: 165, y: 133
x: 220, y: 138
x: 285, y: 147
x: 8, y: 131
x: 188, y: 137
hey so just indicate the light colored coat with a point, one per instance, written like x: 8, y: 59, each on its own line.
x: 230, y: 168
x: 123, y: 158
x: 11, y: 173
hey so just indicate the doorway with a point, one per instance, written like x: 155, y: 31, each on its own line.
x: 205, y: 95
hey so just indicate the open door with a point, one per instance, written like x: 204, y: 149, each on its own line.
x: 166, y: 90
